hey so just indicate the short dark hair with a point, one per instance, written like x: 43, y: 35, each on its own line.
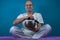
x: 28, y: 0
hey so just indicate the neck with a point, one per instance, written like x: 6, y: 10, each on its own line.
x: 29, y: 12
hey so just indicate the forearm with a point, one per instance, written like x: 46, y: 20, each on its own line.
x: 17, y: 21
x: 38, y: 27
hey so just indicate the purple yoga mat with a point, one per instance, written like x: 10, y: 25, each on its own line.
x: 14, y: 38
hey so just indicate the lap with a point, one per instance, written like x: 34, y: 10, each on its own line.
x: 43, y: 31
x: 37, y: 34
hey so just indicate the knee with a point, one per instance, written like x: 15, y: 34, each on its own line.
x: 48, y: 27
x: 12, y: 29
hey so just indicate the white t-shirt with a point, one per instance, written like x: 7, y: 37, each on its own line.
x: 37, y: 16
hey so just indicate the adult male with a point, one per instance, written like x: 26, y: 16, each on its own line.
x: 28, y: 31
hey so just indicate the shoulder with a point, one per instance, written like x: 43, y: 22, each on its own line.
x: 37, y: 14
x: 22, y: 14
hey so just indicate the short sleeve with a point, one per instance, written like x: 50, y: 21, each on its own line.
x: 20, y: 16
x: 39, y: 18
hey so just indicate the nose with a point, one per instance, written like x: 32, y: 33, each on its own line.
x: 28, y: 6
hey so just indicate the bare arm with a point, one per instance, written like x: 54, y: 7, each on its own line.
x: 17, y: 21
x: 38, y: 27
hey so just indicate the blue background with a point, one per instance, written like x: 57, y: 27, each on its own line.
x: 10, y: 9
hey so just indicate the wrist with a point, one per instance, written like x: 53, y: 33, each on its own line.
x: 28, y: 18
x: 24, y: 18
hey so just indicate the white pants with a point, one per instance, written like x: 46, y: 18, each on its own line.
x: 42, y: 32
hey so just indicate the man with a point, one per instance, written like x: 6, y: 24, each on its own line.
x: 28, y: 31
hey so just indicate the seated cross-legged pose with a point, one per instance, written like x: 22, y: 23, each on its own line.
x: 32, y: 24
